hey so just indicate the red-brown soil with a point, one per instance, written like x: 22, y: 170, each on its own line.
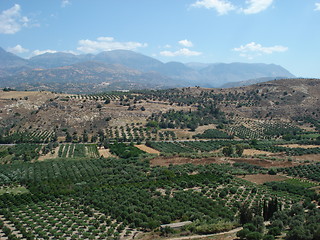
x: 265, y: 163
x: 166, y: 161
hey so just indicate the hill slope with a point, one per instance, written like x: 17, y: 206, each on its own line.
x: 219, y: 74
x: 86, y: 77
x: 22, y: 72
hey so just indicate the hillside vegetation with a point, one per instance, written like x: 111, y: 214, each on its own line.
x: 118, y: 165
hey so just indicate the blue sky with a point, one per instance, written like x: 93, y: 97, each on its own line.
x: 284, y: 32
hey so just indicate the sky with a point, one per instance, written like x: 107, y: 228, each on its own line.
x: 283, y: 32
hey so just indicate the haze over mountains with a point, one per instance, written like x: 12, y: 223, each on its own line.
x: 122, y: 69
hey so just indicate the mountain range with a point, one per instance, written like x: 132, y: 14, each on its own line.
x: 120, y: 70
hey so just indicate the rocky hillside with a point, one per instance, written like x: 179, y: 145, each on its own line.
x: 285, y: 100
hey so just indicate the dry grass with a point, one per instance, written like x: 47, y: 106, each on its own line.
x: 147, y: 149
x: 307, y: 157
x: 105, y: 153
x: 253, y: 152
x: 201, y: 129
x: 49, y: 155
x: 263, y: 178
x: 16, y: 94
x: 299, y: 146
x: 166, y: 161
x: 265, y: 162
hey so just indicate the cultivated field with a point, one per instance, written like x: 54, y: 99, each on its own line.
x: 119, y: 165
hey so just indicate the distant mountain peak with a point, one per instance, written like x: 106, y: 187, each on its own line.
x: 124, y: 63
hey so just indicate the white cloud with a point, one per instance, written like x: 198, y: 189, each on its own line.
x: 224, y: 6
x: 11, y: 20
x: 182, y: 52
x: 221, y: 6
x: 39, y: 52
x: 256, y: 6
x: 317, y: 7
x: 106, y: 44
x: 186, y: 43
x: 17, y: 49
x: 105, y: 39
x: 65, y: 3
x: 253, y: 49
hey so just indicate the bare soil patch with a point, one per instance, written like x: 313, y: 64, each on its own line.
x: 181, y: 133
x: 49, y: 155
x: 201, y: 129
x: 264, y: 162
x: 252, y: 152
x: 105, y: 152
x: 230, y: 235
x: 166, y: 161
x: 307, y: 157
x: 187, y: 134
x: 16, y: 94
x: 299, y: 146
x: 147, y: 149
x: 263, y: 178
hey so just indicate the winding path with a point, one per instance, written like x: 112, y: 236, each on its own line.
x: 206, y: 236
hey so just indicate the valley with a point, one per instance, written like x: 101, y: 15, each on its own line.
x: 159, y: 120
x: 89, y: 166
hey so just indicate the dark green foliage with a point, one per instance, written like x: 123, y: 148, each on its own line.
x: 79, y: 151
x: 246, y: 214
x: 166, y: 231
x: 231, y: 150
x: 213, y: 134
x: 4, y: 152
x: 242, y: 234
x: 263, y: 130
x: 153, y: 124
x: 228, y: 151
x: 268, y: 237
x: 204, y: 115
x: 270, y: 207
x: 239, y: 149
x: 25, y: 152
x: 118, y: 187
x: 301, y: 224
x: 26, y: 137
x: 310, y: 171
x: 68, y: 137
x: 220, y: 226
x: 124, y: 150
x: 272, y: 172
x: 189, y: 146
x: 85, y: 137
x: 249, y: 167
x: 289, y: 151
x: 314, y: 122
x: 274, y: 231
x: 292, y: 188
x: 254, y: 236
x: 299, y: 233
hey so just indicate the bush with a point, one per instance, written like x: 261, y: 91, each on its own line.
x: 213, y: 134
x: 268, y: 237
x: 254, y: 236
x: 214, y: 228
